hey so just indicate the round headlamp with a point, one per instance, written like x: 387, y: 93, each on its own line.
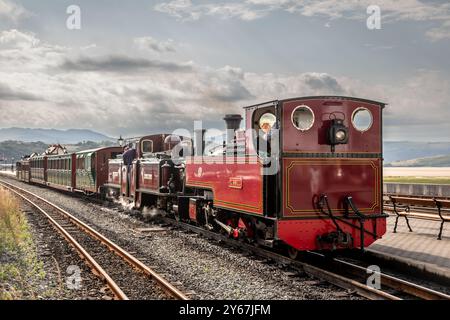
x: 340, y: 135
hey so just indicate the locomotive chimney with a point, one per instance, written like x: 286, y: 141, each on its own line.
x: 233, y: 122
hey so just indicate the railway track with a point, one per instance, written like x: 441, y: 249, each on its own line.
x: 125, y: 275
x: 341, y: 273
x: 337, y: 271
x: 392, y: 285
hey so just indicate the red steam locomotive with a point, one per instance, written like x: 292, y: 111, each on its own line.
x: 305, y: 173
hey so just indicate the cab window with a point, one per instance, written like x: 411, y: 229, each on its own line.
x: 147, y: 146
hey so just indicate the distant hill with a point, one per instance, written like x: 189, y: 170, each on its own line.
x: 407, y: 150
x: 17, y: 149
x: 51, y: 136
x: 436, y: 161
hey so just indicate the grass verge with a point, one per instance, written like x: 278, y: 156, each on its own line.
x: 20, y: 270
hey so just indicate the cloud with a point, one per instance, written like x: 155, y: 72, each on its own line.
x: 149, y: 43
x: 322, y: 81
x: 440, y: 33
x: 14, y: 39
x: 185, y: 10
x: 391, y: 11
x: 65, y: 88
x: 225, y: 85
x: 12, y: 11
x: 7, y: 93
x: 125, y: 95
x: 180, y: 9
x: 20, y: 49
x: 122, y: 64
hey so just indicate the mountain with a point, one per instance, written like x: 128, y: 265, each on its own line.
x: 51, y: 136
x: 436, y: 161
x: 406, y: 150
x: 17, y: 149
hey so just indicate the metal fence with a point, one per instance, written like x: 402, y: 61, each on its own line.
x: 431, y: 190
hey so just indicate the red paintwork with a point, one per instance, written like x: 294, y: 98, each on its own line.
x: 302, y: 233
x: 304, y: 180
x: 149, y: 176
x: 216, y: 177
x: 193, y: 209
x: 314, y: 140
x: 133, y: 179
x: 114, y: 170
x: 159, y: 144
x: 123, y: 185
x: 101, y: 164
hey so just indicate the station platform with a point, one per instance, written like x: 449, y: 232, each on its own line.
x: 419, y: 248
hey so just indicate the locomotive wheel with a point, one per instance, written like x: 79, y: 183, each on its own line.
x: 292, y: 252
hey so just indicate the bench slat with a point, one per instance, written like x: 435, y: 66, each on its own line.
x: 444, y: 203
x: 426, y: 216
x: 413, y: 201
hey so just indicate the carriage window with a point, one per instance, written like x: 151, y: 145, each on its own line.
x: 147, y: 146
x: 362, y: 119
x: 303, y: 118
x: 267, y: 121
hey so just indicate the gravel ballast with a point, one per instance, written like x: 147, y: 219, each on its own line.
x: 61, y: 263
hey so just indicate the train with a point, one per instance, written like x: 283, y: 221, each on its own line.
x: 302, y: 174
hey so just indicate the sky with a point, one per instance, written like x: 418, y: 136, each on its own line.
x: 141, y: 67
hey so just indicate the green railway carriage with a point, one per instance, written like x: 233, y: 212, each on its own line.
x: 59, y: 171
x: 91, y: 170
x: 85, y: 170
x: 38, y: 166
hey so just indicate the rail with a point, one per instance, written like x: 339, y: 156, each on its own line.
x: 131, y: 260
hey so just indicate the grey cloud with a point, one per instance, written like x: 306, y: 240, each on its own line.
x: 393, y: 11
x: 9, y: 94
x: 232, y: 92
x: 122, y: 64
x: 322, y: 81
x: 12, y: 11
x: 149, y: 43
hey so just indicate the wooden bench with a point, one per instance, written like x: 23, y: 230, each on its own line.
x: 405, y: 202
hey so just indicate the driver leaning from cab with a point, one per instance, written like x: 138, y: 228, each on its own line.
x: 267, y: 135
